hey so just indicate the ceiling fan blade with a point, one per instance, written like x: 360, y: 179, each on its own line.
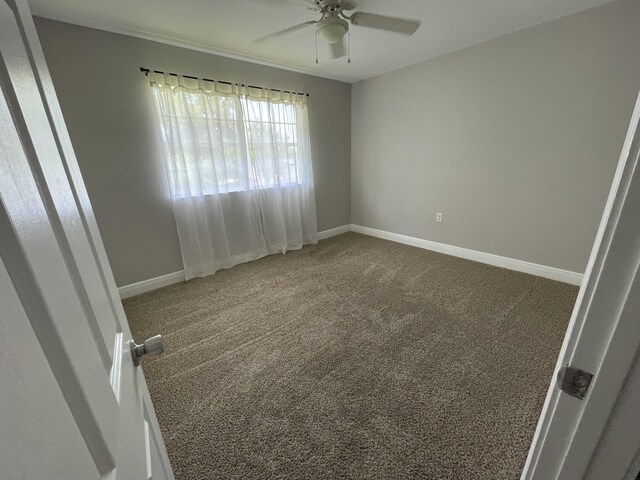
x: 382, y: 22
x: 337, y: 50
x: 284, y: 32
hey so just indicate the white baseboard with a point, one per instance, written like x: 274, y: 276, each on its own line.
x: 176, y: 277
x: 332, y: 232
x: 553, y: 273
x: 150, y: 284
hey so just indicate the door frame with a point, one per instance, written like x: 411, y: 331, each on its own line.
x: 603, y: 337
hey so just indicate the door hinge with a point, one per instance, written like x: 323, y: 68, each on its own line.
x: 573, y: 381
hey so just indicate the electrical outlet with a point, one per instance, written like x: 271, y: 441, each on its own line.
x: 438, y: 217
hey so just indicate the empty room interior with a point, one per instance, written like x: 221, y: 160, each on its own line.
x: 312, y: 239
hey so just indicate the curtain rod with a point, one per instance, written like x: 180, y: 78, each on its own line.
x: 146, y: 72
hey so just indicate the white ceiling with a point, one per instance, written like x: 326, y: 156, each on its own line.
x: 228, y: 27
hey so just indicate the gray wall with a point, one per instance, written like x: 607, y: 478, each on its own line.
x: 108, y: 109
x: 515, y: 140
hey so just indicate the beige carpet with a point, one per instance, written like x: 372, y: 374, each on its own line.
x: 357, y: 358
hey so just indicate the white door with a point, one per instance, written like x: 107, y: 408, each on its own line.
x: 73, y: 405
x: 597, y: 437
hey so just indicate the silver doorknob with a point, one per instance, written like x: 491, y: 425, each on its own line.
x: 151, y: 347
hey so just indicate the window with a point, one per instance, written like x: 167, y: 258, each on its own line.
x: 219, y: 143
x: 272, y: 141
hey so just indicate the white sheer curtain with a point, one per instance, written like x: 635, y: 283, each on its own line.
x: 239, y: 167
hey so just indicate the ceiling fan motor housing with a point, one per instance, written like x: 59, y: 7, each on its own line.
x: 328, y: 4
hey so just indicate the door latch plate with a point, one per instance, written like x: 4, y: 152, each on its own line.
x: 573, y: 381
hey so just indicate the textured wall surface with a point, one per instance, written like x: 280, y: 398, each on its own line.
x: 515, y: 140
x: 108, y: 108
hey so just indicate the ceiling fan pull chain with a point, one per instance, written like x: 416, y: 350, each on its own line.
x: 316, y: 46
x: 349, y: 46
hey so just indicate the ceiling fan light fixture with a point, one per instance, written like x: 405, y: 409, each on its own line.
x: 332, y: 29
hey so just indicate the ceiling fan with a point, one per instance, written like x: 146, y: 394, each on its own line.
x: 334, y: 24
